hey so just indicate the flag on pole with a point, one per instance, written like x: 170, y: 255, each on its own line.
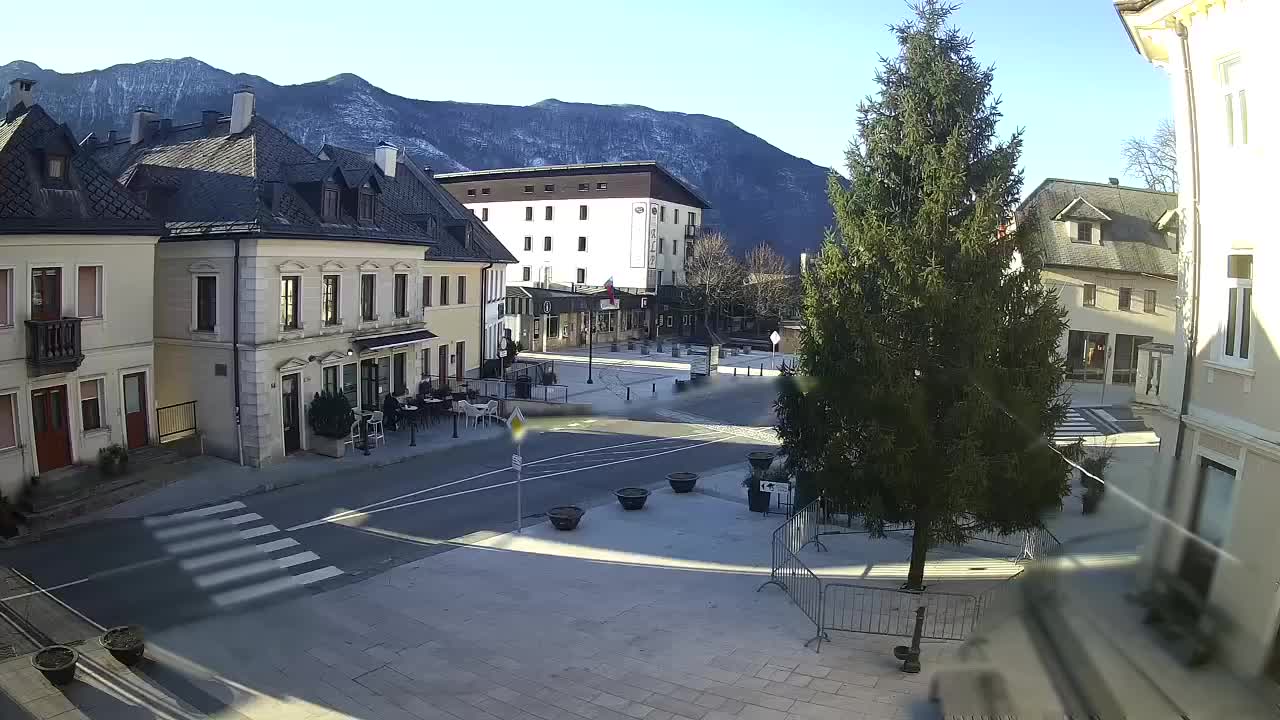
x: 608, y: 285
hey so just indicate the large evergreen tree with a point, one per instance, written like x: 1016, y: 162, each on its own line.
x: 928, y: 373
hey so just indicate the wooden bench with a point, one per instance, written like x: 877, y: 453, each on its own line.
x: 1181, y: 617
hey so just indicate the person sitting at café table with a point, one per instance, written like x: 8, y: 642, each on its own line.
x: 390, y: 412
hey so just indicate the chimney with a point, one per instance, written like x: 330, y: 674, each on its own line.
x: 241, y: 108
x: 20, y: 93
x: 141, y: 119
x: 166, y: 127
x: 209, y: 120
x: 429, y: 172
x: 1114, y: 181
x: 384, y: 156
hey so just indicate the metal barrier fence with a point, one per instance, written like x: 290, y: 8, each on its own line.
x: 507, y: 390
x: 862, y: 608
x: 176, y: 421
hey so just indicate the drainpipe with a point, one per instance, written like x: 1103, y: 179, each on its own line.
x: 235, y: 345
x: 1193, y: 331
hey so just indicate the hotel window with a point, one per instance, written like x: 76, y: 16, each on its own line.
x: 1126, y: 298
x: 1149, y: 301
x: 365, y: 208
x: 484, y: 214
x: 548, y: 212
x: 206, y: 303
x: 329, y: 300
x: 329, y: 204
x: 444, y: 290
x: 290, y: 302
x: 675, y: 215
x: 1090, y: 295
x: 525, y: 273
x: 90, y: 404
x: 546, y: 243
x: 1239, y: 315
x: 548, y: 188
x: 662, y: 245
x: 471, y: 192
x: 484, y: 191
x: 582, y: 275
x: 583, y: 187
x: 56, y: 167
x: 426, y: 291
x: 662, y: 213
x: 582, y: 244
x: 602, y: 186
x: 528, y: 188
x: 89, y: 291
x: 402, y: 295
x: 582, y: 212
x: 368, y: 308
x: 528, y: 242
x: 693, y: 219
x: 1236, y: 118
x: 462, y: 289
x: 528, y: 212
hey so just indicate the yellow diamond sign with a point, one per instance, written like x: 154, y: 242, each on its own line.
x: 517, y: 424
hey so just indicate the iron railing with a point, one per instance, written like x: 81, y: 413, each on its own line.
x: 507, y: 390
x: 176, y: 421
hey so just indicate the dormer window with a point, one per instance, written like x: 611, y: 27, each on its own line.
x: 365, y: 208
x: 329, y: 204
x: 55, y: 167
x: 1084, y: 233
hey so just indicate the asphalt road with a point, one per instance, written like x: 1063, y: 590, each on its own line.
x: 159, y: 572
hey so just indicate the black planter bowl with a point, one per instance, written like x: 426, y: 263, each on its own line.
x: 682, y: 482
x: 631, y: 498
x: 760, y: 461
x: 565, y: 517
x: 57, y: 663
x: 125, y: 644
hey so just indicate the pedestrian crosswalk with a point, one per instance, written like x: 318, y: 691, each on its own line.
x: 235, y: 555
x: 1074, y: 427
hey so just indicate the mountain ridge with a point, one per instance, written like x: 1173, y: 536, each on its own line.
x: 759, y: 193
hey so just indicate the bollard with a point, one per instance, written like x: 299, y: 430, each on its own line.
x: 761, y: 369
x: 364, y: 434
x: 455, y: 422
x: 735, y: 371
x: 628, y: 393
x: 413, y: 435
x: 910, y: 655
x: 655, y: 388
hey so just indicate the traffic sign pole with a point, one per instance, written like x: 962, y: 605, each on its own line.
x: 519, y: 490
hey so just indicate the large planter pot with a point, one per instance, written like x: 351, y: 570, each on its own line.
x: 565, y: 517
x: 760, y: 461
x: 125, y: 643
x: 1089, y: 502
x: 613, y: 346
x: 644, y: 349
x: 682, y: 482
x: 114, y: 467
x: 675, y: 351
x: 631, y: 345
x: 524, y: 387
x: 757, y: 501
x: 631, y: 498
x: 329, y: 447
x: 57, y: 663
x: 680, y: 385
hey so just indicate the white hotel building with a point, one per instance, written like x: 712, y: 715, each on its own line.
x: 570, y: 225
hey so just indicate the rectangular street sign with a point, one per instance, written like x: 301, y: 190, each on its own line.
x: 778, y: 488
x: 516, y: 461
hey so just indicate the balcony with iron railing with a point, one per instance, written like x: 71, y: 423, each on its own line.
x: 53, y: 346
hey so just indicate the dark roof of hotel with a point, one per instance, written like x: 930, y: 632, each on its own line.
x: 579, y: 169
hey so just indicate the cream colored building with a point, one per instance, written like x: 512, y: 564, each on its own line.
x: 76, y: 252
x: 283, y: 273
x: 1214, y: 404
x: 1110, y: 252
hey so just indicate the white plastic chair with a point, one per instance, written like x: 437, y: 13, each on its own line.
x: 375, y: 428
x: 490, y: 411
x: 474, y: 413
x: 355, y: 435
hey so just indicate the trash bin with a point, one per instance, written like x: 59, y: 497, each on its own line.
x: 524, y: 387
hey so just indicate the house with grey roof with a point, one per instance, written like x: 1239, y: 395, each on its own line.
x: 283, y: 272
x: 1111, y: 253
x: 76, y: 254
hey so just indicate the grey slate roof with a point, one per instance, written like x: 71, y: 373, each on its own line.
x: 416, y: 195
x: 1130, y: 240
x: 89, y: 201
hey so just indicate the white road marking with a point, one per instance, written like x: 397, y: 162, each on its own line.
x: 323, y: 573
x: 259, y: 531
x: 277, y: 545
x: 191, y: 514
x: 239, y: 572
x: 196, y: 528
x: 242, y: 519
x: 204, y: 561
x: 204, y: 543
x: 273, y: 586
x: 364, y: 514
x: 358, y: 511
x: 299, y: 559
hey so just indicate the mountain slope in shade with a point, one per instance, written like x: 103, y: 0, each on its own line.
x: 760, y: 193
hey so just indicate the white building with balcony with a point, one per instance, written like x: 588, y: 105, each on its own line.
x: 567, y: 225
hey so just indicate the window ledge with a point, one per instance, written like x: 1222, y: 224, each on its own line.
x: 98, y: 432
x: 95, y: 320
x: 1224, y: 367
x: 205, y: 334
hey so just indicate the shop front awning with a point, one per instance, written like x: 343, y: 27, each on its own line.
x: 388, y: 340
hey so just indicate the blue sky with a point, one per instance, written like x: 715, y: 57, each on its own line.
x: 791, y: 72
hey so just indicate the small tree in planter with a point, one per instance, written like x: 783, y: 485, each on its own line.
x: 113, y: 460
x: 1094, y: 467
x: 330, y: 418
x: 10, y: 519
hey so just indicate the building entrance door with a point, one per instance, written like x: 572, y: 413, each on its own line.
x: 135, y: 410
x: 49, y: 422
x: 290, y: 412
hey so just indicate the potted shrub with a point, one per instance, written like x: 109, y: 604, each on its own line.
x: 549, y: 378
x: 125, y: 644
x: 10, y: 519
x: 682, y: 482
x: 1092, y: 478
x: 330, y: 417
x: 57, y: 663
x: 565, y: 517
x: 757, y: 499
x: 631, y: 498
x: 113, y: 460
x: 760, y: 461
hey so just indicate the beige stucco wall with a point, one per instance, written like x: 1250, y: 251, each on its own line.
x: 1106, y: 316
x: 118, y: 342
x: 268, y: 350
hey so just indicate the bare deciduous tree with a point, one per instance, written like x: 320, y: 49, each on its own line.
x: 712, y: 274
x: 1154, y: 159
x: 769, y: 290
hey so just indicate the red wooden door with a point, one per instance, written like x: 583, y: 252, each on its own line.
x: 49, y: 422
x: 46, y: 293
x: 135, y: 410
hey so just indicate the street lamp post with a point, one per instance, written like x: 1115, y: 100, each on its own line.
x: 591, y: 331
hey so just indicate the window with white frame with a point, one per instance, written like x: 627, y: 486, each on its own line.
x: 582, y: 275
x: 1235, y: 109
x: 525, y: 273
x: 329, y: 301
x: 1238, y: 317
x: 8, y: 421
x: 401, y: 295
x: 368, y: 308
x: 330, y: 377
x: 89, y: 291
x: 91, y: 404
x: 205, y: 308
x: 6, y: 297
x: 1090, y: 295
x: 290, y: 302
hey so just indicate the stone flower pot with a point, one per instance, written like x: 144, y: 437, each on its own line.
x: 125, y: 644
x: 57, y: 663
x: 682, y: 482
x: 329, y: 447
x: 631, y: 498
x: 631, y: 344
x: 565, y: 517
x: 760, y: 461
x: 613, y: 346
